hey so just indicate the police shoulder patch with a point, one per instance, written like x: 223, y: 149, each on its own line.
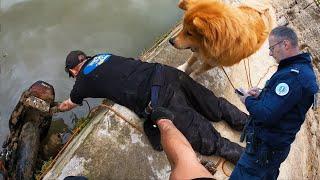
x: 282, y: 89
x: 95, y: 62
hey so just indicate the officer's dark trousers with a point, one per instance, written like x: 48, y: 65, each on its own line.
x: 264, y: 164
x: 195, y: 107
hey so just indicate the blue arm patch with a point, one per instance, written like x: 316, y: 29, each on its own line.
x: 95, y: 62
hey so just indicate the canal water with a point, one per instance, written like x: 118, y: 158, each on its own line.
x: 36, y: 35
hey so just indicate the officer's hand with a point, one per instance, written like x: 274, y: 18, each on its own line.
x: 66, y: 105
x: 255, y: 92
x: 63, y: 107
x: 245, y: 95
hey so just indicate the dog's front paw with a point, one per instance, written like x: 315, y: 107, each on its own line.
x: 183, y: 67
x: 193, y: 75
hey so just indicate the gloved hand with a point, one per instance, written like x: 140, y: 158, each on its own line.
x: 161, y: 113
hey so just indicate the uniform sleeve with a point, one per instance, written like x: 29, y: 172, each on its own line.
x: 268, y: 109
x: 76, y: 94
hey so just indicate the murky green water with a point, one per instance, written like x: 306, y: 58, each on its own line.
x: 36, y: 35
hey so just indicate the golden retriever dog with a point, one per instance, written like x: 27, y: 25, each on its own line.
x: 220, y: 34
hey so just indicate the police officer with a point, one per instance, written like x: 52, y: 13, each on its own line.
x: 141, y: 86
x: 278, y: 111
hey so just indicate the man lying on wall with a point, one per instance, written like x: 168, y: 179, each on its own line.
x: 142, y: 86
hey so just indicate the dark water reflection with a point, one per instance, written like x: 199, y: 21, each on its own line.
x: 36, y: 35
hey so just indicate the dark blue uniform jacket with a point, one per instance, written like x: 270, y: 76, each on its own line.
x: 280, y: 109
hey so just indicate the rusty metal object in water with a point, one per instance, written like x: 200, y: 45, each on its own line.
x: 28, y: 124
x: 37, y: 103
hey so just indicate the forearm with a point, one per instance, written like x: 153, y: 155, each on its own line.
x: 173, y: 141
x: 183, y: 159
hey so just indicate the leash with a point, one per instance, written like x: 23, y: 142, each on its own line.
x: 122, y: 117
x: 223, y: 161
x: 222, y: 167
x: 248, y: 75
x: 266, y: 73
x: 213, y: 167
x: 228, y: 77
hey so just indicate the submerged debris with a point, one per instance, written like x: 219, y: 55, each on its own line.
x: 28, y: 124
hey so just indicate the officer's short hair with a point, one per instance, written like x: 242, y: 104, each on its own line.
x: 284, y: 32
x: 72, y: 60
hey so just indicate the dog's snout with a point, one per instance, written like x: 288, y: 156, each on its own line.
x: 171, y: 41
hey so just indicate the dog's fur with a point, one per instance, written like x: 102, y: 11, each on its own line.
x: 220, y: 34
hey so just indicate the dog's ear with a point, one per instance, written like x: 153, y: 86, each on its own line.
x: 206, y: 29
x: 185, y: 4
x: 203, y: 27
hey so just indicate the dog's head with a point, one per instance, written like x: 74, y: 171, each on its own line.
x: 188, y: 38
x: 201, y: 24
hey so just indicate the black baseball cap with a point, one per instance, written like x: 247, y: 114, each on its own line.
x: 72, y: 60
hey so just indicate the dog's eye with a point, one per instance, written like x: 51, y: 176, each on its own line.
x: 188, y: 33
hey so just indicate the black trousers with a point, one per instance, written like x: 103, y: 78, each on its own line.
x: 195, y: 107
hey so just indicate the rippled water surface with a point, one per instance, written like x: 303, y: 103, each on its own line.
x: 36, y: 35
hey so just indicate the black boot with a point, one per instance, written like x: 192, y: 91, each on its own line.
x: 232, y: 115
x: 229, y: 150
x: 161, y: 113
x: 153, y: 135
